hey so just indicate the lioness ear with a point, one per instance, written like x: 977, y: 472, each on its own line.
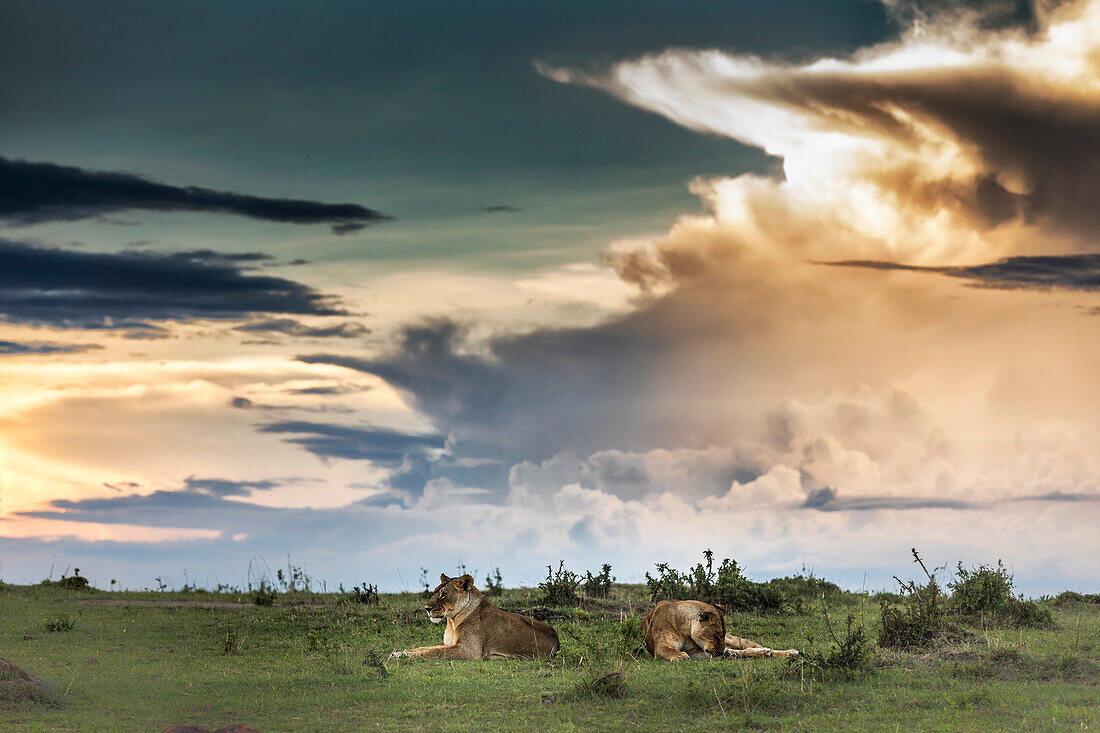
x: 706, y: 616
x: 443, y: 578
x: 721, y: 611
x: 466, y: 582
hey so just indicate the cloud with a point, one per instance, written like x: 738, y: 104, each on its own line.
x: 952, y: 121
x: 501, y: 209
x: 988, y: 15
x: 363, y: 444
x: 225, y: 487
x: 750, y: 400
x: 826, y: 500
x: 294, y: 328
x: 131, y: 289
x: 15, y: 348
x: 31, y: 193
x: 328, y: 390
x: 1072, y: 272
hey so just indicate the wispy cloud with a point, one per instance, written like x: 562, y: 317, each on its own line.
x: 1070, y: 272
x: 32, y: 192
x: 291, y: 327
x: 17, y: 348
x: 356, y: 443
x: 131, y: 289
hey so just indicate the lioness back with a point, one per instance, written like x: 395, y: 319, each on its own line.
x: 513, y: 635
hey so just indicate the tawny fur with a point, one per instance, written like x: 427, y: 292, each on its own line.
x: 476, y: 629
x: 678, y: 630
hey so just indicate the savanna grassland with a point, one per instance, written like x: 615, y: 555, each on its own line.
x: 141, y: 661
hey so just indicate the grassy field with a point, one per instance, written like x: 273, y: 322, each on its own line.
x: 122, y: 661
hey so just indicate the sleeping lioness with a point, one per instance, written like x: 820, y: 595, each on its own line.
x: 476, y: 629
x: 676, y: 630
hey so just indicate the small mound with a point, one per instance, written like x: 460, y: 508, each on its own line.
x: 9, y: 672
x: 19, y: 689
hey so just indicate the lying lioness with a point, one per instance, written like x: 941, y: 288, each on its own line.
x: 676, y: 630
x: 476, y: 629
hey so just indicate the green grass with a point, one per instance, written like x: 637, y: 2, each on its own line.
x: 322, y: 666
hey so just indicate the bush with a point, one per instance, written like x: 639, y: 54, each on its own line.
x: 367, y: 595
x: 920, y: 618
x: 264, y: 595
x: 73, y: 582
x: 801, y: 592
x: 560, y: 587
x: 598, y: 586
x: 981, y: 590
x: 726, y: 587
x: 1028, y: 613
x: 630, y: 636
x: 1066, y: 597
x: 986, y: 593
x: 494, y: 584
x: 59, y: 623
x: 848, y: 656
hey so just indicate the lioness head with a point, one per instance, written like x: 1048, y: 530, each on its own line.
x: 709, y: 629
x: 450, y: 597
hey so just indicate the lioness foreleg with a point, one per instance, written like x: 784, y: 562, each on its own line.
x: 442, y: 651
x: 738, y: 647
x: 670, y: 653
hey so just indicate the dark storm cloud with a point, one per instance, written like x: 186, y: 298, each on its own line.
x: 225, y: 487
x: 1061, y: 496
x: 36, y: 192
x: 293, y: 328
x: 987, y: 14
x: 337, y: 390
x: 535, y: 394
x: 1070, y: 272
x: 364, y: 444
x: 501, y: 209
x: 827, y: 500
x: 76, y: 289
x: 16, y: 348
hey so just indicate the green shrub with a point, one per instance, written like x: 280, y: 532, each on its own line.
x: 59, y: 623
x: 919, y: 620
x: 264, y: 595
x: 72, y: 582
x: 1031, y: 614
x: 494, y: 584
x: 727, y: 587
x: 981, y: 590
x: 630, y: 636
x: 560, y: 587
x: 848, y: 656
x: 1069, y: 596
x: 598, y: 586
x: 367, y: 595
x: 986, y: 593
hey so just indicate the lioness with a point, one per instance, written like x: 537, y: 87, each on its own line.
x: 676, y: 630
x: 476, y: 629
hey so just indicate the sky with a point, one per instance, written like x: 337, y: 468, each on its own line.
x: 372, y: 288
